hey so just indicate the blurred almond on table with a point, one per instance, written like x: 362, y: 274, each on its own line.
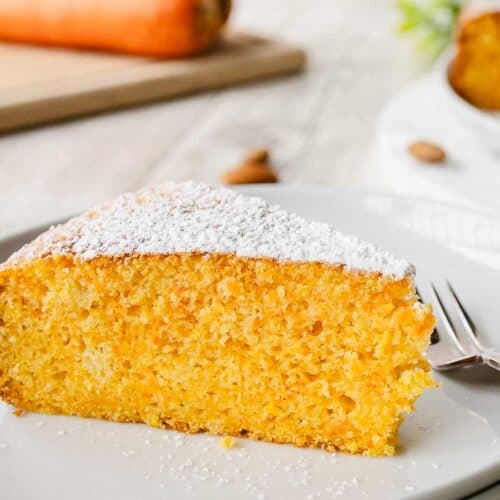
x: 427, y: 152
x: 250, y: 173
x: 259, y: 155
x: 254, y: 169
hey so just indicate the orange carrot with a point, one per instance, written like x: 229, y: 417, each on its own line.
x: 167, y: 28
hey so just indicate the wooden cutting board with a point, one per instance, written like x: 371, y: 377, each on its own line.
x: 40, y: 85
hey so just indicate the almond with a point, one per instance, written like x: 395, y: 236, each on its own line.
x: 250, y: 173
x: 259, y: 155
x: 427, y: 152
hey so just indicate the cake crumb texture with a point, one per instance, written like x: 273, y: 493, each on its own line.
x: 307, y: 353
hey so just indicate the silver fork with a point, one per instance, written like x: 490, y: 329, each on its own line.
x: 455, y: 350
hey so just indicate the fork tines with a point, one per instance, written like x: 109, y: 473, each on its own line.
x: 453, y: 348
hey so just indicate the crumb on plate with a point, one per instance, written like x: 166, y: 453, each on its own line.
x: 228, y: 442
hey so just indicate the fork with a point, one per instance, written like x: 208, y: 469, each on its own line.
x: 457, y: 350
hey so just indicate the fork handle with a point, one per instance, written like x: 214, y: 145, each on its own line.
x: 492, y: 359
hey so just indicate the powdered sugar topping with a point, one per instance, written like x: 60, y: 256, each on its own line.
x: 190, y: 217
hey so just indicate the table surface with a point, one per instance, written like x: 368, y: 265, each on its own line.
x: 319, y: 125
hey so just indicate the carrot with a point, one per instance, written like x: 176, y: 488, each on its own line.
x: 166, y: 28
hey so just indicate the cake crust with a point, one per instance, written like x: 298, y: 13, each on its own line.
x: 189, y: 217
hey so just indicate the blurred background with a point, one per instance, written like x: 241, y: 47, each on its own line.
x: 331, y: 123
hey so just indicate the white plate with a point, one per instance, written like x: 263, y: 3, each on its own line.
x: 449, y: 447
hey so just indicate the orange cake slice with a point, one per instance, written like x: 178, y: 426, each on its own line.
x: 194, y: 308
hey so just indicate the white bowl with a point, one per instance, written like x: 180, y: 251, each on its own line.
x: 485, y: 123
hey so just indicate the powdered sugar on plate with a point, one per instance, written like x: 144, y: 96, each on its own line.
x: 191, y: 217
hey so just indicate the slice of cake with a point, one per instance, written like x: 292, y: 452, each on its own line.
x: 199, y: 309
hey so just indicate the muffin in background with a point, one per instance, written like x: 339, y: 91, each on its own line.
x: 475, y: 70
